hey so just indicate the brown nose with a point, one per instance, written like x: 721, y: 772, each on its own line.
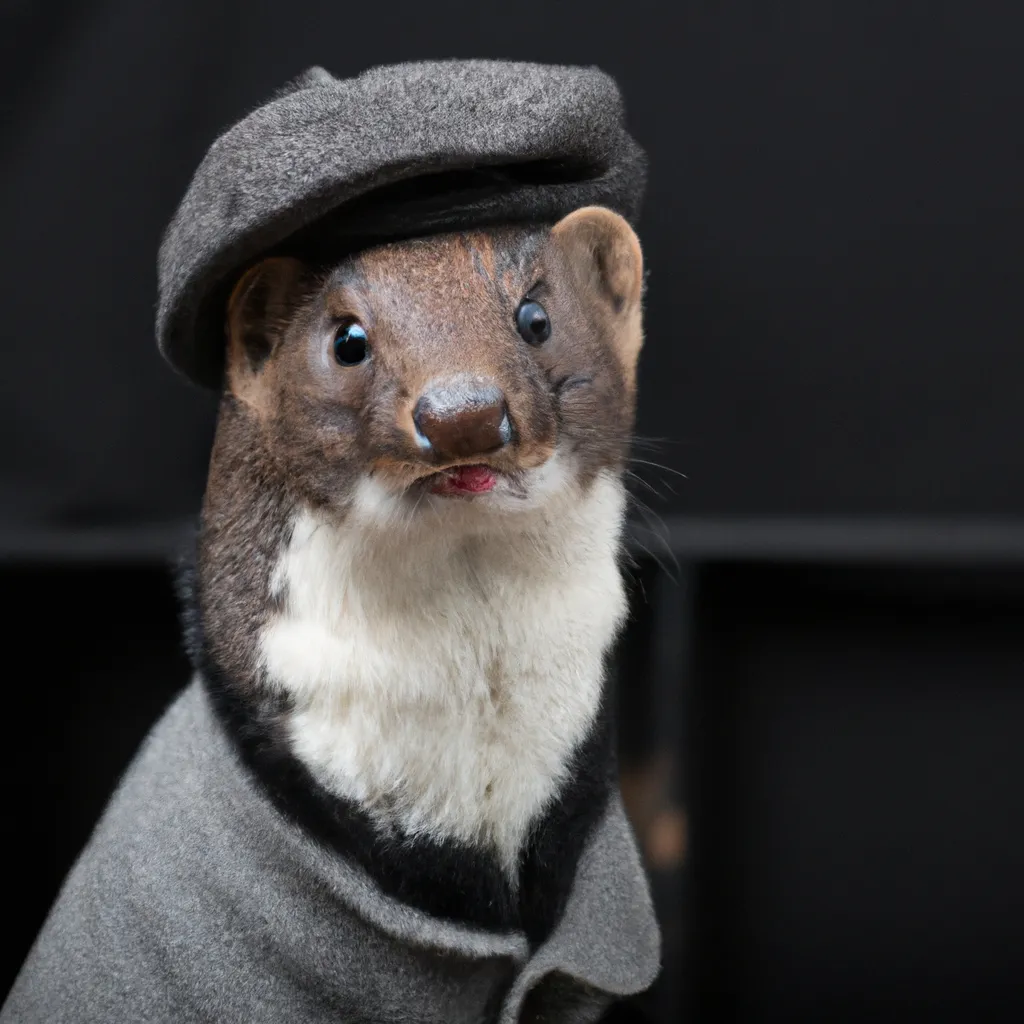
x: 462, y: 418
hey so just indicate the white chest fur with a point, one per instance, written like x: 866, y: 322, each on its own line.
x: 443, y: 681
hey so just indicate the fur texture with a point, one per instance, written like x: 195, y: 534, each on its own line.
x: 443, y: 681
x: 398, y: 151
x: 415, y: 678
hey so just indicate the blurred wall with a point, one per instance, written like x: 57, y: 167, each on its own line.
x: 833, y: 227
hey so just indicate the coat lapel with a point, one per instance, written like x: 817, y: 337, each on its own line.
x: 606, y: 944
x: 608, y: 938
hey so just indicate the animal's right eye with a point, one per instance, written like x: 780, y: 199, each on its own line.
x: 351, y: 346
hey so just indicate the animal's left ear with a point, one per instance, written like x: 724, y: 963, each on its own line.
x: 607, y: 263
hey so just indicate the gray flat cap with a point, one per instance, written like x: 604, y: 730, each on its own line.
x: 333, y: 165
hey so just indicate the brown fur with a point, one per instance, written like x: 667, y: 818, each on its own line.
x: 298, y: 431
x: 296, y: 428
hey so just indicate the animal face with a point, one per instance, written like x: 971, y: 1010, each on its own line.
x: 466, y: 378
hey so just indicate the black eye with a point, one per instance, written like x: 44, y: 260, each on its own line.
x: 351, y: 345
x: 533, y: 322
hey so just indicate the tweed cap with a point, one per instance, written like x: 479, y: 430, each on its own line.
x: 330, y: 166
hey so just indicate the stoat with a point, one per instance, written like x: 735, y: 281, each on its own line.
x: 408, y: 568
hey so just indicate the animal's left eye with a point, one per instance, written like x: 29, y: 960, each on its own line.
x: 533, y: 322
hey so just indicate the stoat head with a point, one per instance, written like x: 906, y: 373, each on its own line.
x: 456, y: 381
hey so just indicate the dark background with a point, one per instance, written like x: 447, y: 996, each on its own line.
x: 822, y: 692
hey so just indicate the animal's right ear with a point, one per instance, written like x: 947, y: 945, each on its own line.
x: 258, y: 313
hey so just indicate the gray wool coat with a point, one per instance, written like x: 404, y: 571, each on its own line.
x: 196, y: 901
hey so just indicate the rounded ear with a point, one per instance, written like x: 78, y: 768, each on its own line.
x: 605, y: 253
x: 258, y: 313
x: 607, y: 264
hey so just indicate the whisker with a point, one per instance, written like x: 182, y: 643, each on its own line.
x: 658, y: 465
x: 668, y: 487
x: 657, y: 561
x: 644, y: 441
x: 659, y: 531
x: 410, y: 518
x: 642, y: 588
x: 646, y: 483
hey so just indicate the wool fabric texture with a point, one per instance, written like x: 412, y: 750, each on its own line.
x: 195, y: 900
x: 334, y: 165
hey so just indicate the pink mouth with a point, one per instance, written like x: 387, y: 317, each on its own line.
x: 464, y: 480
